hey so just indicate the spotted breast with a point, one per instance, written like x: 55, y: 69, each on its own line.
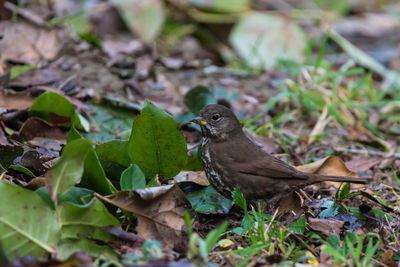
x: 213, y: 175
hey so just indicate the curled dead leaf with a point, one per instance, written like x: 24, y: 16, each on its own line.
x: 327, y: 227
x: 331, y: 165
x: 160, y: 218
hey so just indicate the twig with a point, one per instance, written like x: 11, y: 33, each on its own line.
x: 32, y: 17
x: 367, y: 152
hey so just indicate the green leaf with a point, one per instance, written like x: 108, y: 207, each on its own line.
x: 262, y: 39
x: 132, y: 178
x: 8, y: 154
x: 18, y: 70
x: 27, y: 226
x: 68, y: 170
x: 67, y: 247
x: 209, y: 201
x: 113, y: 123
x: 73, y: 134
x: 344, y: 192
x: 22, y: 169
x: 78, y: 196
x: 114, y: 151
x: 239, y: 230
x: 114, y: 158
x: 334, y: 241
x: 143, y: 17
x: 194, y: 162
x: 50, y: 102
x: 199, y: 97
x: 156, y: 143
x: 83, y: 222
x: 299, y: 225
x: 239, y: 199
x: 222, y: 6
x: 94, y: 215
x: 332, y: 251
x: 331, y: 209
x: 94, y: 176
x: 214, y: 235
x: 247, y: 222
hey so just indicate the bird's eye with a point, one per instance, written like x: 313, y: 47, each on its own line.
x: 216, y: 117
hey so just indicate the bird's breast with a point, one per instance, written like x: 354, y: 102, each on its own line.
x: 215, y: 175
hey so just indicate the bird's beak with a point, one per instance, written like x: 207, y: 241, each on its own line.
x: 199, y: 120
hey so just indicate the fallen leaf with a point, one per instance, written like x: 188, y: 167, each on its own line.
x: 325, y: 226
x: 113, y: 47
x: 160, y: 218
x: 36, y: 127
x: 25, y: 43
x: 35, y: 77
x: 331, y: 165
x: 195, y: 177
x: 15, y: 100
x: 363, y: 164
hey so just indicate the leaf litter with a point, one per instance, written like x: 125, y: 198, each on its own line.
x: 318, y: 115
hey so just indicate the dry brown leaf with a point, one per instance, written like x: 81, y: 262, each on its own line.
x: 327, y: 227
x: 160, y: 218
x: 17, y: 100
x: 25, y: 43
x: 36, y: 127
x: 291, y: 202
x: 194, y: 177
x: 363, y: 164
x: 331, y: 165
x: 35, y: 183
x: 35, y: 77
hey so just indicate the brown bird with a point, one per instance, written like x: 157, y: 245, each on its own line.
x: 230, y: 160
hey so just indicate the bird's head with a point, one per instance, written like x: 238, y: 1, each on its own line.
x: 217, y: 122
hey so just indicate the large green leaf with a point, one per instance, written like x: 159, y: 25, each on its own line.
x: 81, y: 222
x: 94, y: 215
x: 261, y: 39
x: 114, y: 158
x: 156, y: 143
x: 114, y: 151
x: 67, y: 247
x: 113, y: 123
x: 94, y: 176
x: 27, y: 224
x: 68, y: 170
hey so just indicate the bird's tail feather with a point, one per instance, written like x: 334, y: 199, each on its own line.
x: 345, y: 179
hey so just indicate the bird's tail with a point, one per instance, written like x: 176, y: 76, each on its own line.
x: 316, y: 178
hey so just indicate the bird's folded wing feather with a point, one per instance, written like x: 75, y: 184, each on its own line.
x: 270, y: 167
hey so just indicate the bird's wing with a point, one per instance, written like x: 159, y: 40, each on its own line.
x: 270, y: 167
x: 254, y: 161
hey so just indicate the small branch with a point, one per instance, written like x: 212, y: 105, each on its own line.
x: 368, y: 152
x: 29, y: 15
